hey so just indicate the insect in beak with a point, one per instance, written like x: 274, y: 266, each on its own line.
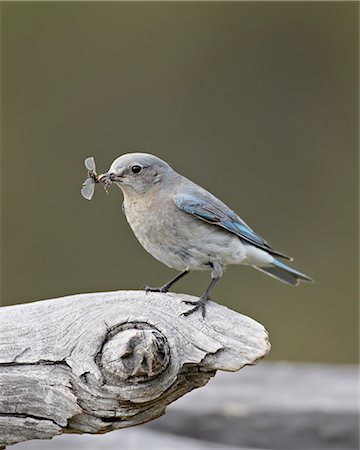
x: 88, y: 187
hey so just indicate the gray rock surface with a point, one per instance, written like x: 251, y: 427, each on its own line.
x: 126, y: 439
x: 275, y: 406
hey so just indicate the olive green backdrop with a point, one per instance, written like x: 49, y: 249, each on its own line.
x: 255, y: 101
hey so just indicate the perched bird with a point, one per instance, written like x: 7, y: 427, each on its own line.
x: 187, y: 228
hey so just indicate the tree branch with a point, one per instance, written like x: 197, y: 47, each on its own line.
x: 92, y: 363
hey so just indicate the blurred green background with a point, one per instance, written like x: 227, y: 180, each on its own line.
x: 255, y: 101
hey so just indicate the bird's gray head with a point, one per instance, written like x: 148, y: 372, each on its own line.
x: 137, y: 172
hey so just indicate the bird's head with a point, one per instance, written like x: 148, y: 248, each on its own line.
x: 137, y: 172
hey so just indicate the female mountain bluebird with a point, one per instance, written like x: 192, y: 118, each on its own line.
x: 187, y: 228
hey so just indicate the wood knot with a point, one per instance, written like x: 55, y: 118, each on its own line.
x: 134, y: 352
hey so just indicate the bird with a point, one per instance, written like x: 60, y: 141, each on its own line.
x: 187, y: 228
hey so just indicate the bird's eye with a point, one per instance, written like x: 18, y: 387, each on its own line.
x: 136, y: 168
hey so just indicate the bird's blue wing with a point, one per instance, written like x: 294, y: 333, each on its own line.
x: 211, y: 210
x: 219, y: 214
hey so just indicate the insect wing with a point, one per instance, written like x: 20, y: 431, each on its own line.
x: 90, y: 164
x: 88, y: 188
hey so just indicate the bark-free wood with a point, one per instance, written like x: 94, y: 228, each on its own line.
x: 92, y: 363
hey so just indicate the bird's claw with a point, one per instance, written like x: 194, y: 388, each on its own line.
x: 154, y: 289
x: 198, y: 304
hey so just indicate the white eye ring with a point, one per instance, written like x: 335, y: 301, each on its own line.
x: 136, y: 168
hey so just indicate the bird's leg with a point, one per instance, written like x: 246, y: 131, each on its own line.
x: 216, y: 274
x: 168, y: 285
x: 200, y: 304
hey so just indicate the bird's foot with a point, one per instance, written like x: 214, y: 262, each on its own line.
x: 155, y: 289
x: 198, y: 304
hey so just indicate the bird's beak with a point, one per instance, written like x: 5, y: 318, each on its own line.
x: 107, y: 178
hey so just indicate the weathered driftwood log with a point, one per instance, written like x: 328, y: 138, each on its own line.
x: 92, y: 363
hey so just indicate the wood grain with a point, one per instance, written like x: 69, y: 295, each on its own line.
x: 91, y: 363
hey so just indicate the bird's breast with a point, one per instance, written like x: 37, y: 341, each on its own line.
x: 156, y: 228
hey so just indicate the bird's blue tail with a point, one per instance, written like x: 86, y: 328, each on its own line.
x: 284, y: 273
